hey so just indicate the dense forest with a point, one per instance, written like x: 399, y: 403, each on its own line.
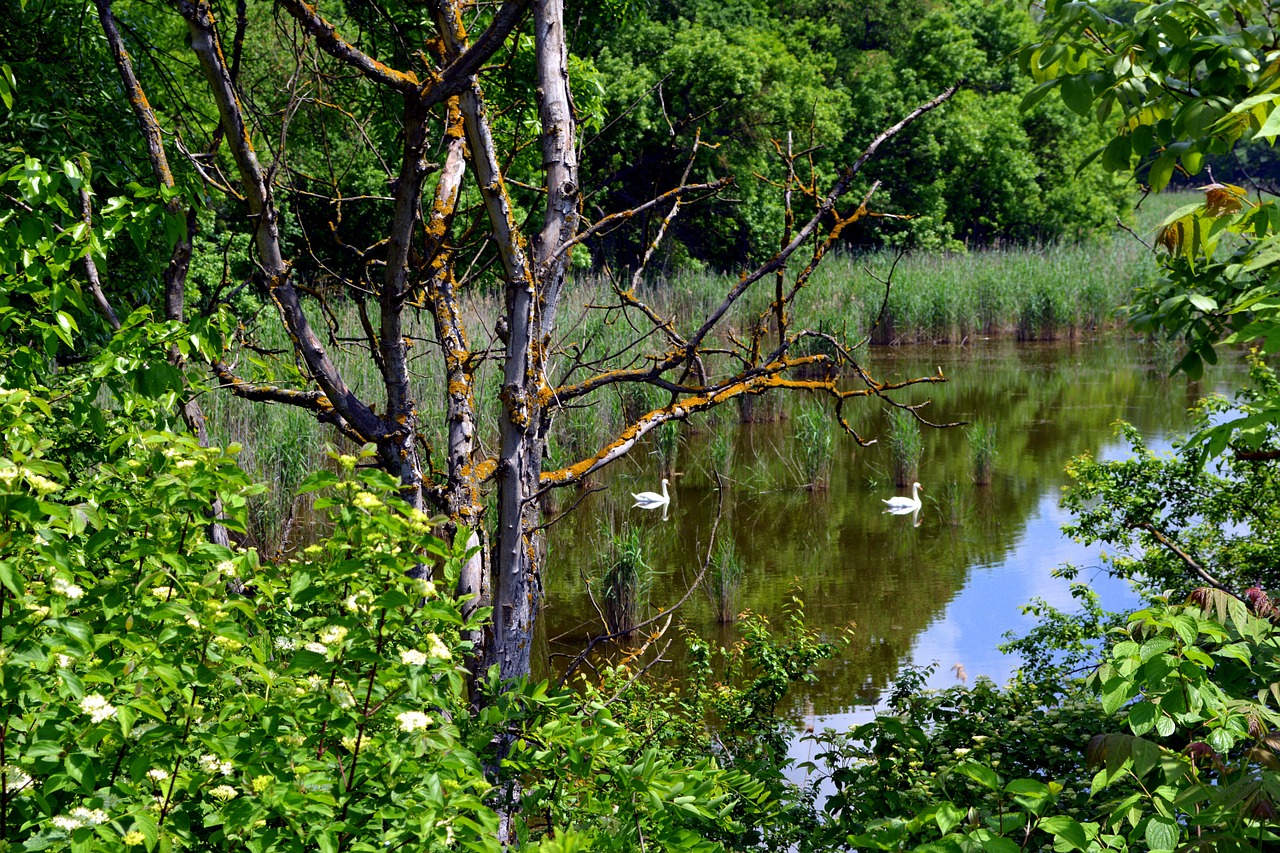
x: 647, y: 79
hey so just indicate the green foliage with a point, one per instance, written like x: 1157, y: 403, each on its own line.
x: 906, y: 446
x: 744, y: 75
x: 1198, y: 683
x: 145, y: 706
x: 981, y: 437
x: 1189, y: 694
x: 1177, y: 523
x: 723, y: 582
x: 1220, y: 256
x: 815, y: 439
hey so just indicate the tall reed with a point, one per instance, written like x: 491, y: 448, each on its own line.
x: 723, y: 582
x: 814, y: 434
x: 981, y: 437
x: 954, y: 502
x: 667, y: 446
x: 719, y: 452
x: 906, y: 446
x: 626, y: 581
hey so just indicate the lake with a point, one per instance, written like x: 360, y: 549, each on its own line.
x: 946, y: 590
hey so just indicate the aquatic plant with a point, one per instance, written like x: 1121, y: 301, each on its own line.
x: 723, y: 582
x: 625, y: 581
x: 906, y: 446
x: 814, y: 435
x: 954, y: 502
x: 719, y: 452
x: 981, y: 437
x: 667, y: 446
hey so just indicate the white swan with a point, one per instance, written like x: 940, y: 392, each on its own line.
x: 652, y: 500
x: 902, y: 506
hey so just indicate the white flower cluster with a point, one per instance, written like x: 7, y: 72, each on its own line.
x: 333, y: 634
x: 342, y: 696
x: 436, y: 648
x: 227, y: 568
x: 157, y: 774
x: 412, y: 721
x: 286, y: 644
x: 360, y: 602
x: 412, y: 657
x: 162, y: 592
x: 97, y: 707
x: 79, y: 817
x: 70, y: 590
x: 223, y: 792
x: 318, y: 648
x: 142, y: 728
x: 10, y: 473
x: 213, y: 765
x: 15, y: 779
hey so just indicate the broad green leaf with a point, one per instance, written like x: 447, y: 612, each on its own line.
x: 1066, y: 829
x: 1160, y: 173
x: 984, y: 776
x: 1162, y: 833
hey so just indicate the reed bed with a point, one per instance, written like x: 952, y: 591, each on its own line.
x: 815, y: 440
x: 906, y: 446
x: 723, y: 582
x: 625, y: 582
x: 981, y: 438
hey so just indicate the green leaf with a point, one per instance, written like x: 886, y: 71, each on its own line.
x: 1115, y: 693
x: 1115, y: 157
x: 1077, y: 94
x: 948, y: 816
x: 984, y: 776
x: 1142, y: 716
x: 1162, y: 833
x: 1206, y: 304
x: 1000, y: 844
x: 11, y: 578
x: 1271, y: 127
x: 1161, y: 171
x: 1066, y: 829
x: 7, y: 85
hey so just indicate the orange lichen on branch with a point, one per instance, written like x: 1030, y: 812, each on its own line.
x: 326, y: 35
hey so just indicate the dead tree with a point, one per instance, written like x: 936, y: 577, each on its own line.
x: 452, y: 225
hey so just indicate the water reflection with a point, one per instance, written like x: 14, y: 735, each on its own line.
x: 944, y: 584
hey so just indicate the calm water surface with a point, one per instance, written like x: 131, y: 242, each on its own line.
x: 945, y: 590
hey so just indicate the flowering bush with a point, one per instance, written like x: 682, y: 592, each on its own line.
x: 145, y: 705
x: 158, y: 691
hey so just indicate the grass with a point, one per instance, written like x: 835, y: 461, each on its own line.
x: 625, y: 582
x: 906, y: 446
x: 814, y: 429
x: 981, y: 437
x: 723, y: 582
